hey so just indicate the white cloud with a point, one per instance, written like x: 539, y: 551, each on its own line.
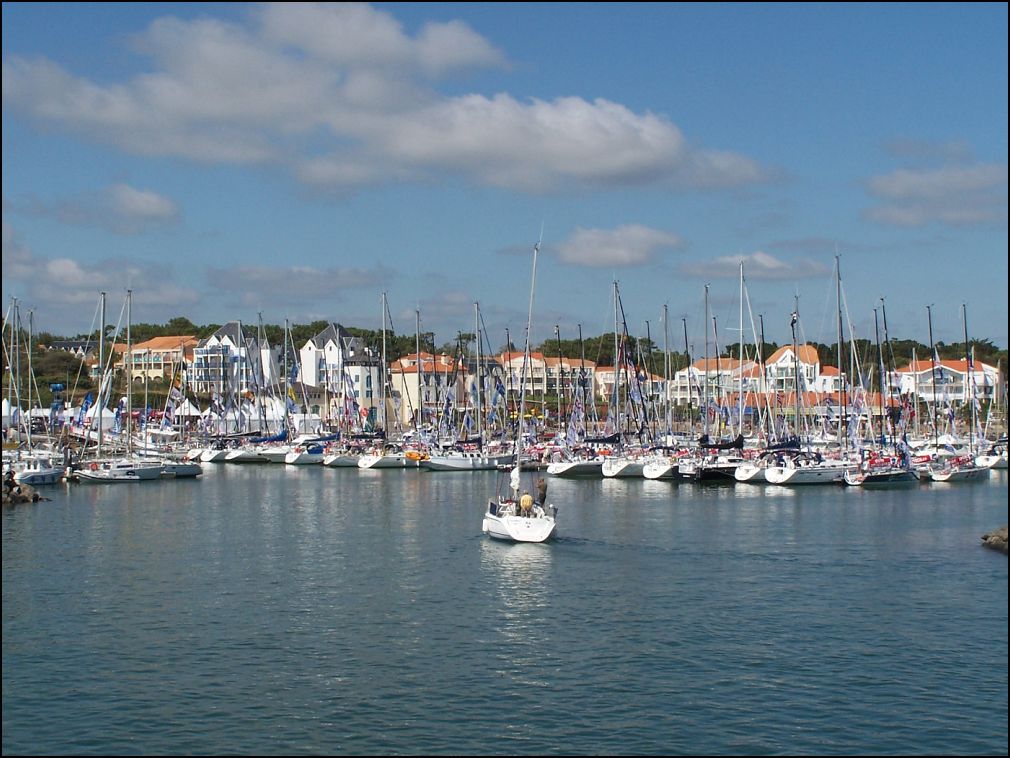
x: 292, y: 285
x: 628, y: 245
x: 956, y: 195
x: 342, y: 97
x: 757, y: 265
x: 66, y: 292
x: 119, y: 208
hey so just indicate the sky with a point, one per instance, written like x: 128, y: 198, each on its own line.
x: 297, y: 161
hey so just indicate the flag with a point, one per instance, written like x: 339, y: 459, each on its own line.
x: 88, y: 400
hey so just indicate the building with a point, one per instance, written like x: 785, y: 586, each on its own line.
x: 344, y: 375
x: 232, y: 360
x: 156, y: 360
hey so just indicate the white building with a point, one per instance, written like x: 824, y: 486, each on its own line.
x: 232, y: 361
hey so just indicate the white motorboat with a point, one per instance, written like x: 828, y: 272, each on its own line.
x: 38, y: 468
x: 119, y: 471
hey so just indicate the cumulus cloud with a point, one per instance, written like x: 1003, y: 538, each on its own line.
x: 342, y: 97
x: 757, y: 265
x: 119, y: 208
x: 960, y: 192
x: 628, y: 245
x: 283, y: 285
x: 65, y: 291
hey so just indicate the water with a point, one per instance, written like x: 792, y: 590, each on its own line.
x: 280, y: 610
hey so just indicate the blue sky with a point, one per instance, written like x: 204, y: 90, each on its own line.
x: 297, y: 161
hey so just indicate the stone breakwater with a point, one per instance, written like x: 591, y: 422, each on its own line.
x: 21, y: 493
x: 996, y: 539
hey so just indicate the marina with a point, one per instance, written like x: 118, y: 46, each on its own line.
x: 274, y: 609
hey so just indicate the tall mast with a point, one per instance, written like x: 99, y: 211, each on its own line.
x: 843, y: 438
x: 479, y: 410
x: 740, y: 403
x: 889, y: 365
x: 129, y: 373
x: 419, y: 422
x: 705, y: 401
x: 796, y: 369
x: 718, y: 373
x: 690, y: 384
x: 582, y: 387
x: 880, y: 361
x: 31, y: 327
x: 561, y: 376
x: 666, y: 372
x: 969, y: 382
x: 382, y: 369
x: 101, y: 375
x: 933, y: 361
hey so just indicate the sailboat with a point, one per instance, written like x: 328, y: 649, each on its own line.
x: 521, y: 518
x: 33, y: 464
x: 963, y: 467
x: 128, y: 467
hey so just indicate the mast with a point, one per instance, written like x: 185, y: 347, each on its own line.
x: 561, y: 377
x: 740, y: 403
x: 382, y: 369
x: 718, y: 373
x: 101, y: 374
x: 843, y: 438
x: 129, y: 373
x: 880, y: 361
x: 890, y: 367
x: 31, y: 326
x: 705, y: 401
x: 666, y: 373
x: 419, y: 422
x: 690, y: 384
x: 796, y: 369
x: 477, y: 374
x: 762, y: 388
x: 933, y: 361
x: 969, y: 382
x: 582, y: 387
x: 514, y: 479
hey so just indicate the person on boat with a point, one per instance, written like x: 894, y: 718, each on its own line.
x: 526, y: 503
x: 542, y: 490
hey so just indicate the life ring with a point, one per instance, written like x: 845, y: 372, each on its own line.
x: 93, y: 467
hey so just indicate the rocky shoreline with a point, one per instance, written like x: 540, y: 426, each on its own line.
x: 21, y: 493
x: 996, y: 539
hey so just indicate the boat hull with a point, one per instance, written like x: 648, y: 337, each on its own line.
x: 537, y: 528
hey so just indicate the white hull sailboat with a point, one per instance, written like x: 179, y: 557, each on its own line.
x: 502, y: 522
x: 521, y: 518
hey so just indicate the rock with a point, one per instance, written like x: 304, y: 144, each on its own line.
x: 996, y: 539
x: 21, y: 493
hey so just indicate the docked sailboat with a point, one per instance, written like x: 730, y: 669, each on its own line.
x: 521, y: 517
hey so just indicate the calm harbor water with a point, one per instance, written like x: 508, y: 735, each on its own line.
x: 279, y: 610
